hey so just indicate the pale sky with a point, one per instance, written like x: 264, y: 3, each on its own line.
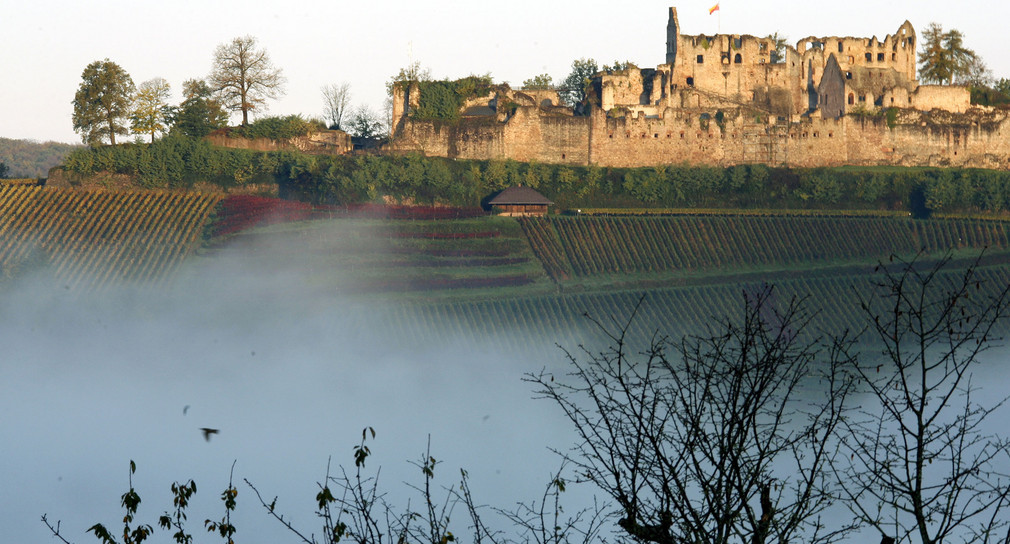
x: 48, y: 43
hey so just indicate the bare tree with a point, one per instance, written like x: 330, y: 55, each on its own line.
x: 918, y: 463
x: 543, y: 521
x: 337, y: 98
x: 715, y: 443
x: 244, y: 76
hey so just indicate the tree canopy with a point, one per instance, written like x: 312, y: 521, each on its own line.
x: 538, y: 82
x: 244, y: 76
x: 573, y: 88
x: 150, y: 107
x: 103, y: 102
x: 944, y: 58
x: 200, y: 112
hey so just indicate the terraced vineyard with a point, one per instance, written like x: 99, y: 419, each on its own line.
x: 426, y: 258
x: 92, y: 239
x: 600, y: 246
x: 830, y: 300
x: 468, y: 276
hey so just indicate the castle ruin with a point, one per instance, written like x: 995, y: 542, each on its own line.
x: 731, y: 99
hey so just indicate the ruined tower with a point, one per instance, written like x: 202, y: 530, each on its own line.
x: 672, y: 33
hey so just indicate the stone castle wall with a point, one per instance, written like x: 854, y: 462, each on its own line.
x: 724, y: 100
x: 977, y: 139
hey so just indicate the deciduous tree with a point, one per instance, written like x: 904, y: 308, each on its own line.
x: 200, y: 112
x: 337, y: 99
x: 538, y: 82
x: 365, y: 123
x: 919, y: 465
x: 709, y: 439
x: 573, y: 88
x: 102, y: 103
x: 244, y: 76
x: 150, y: 107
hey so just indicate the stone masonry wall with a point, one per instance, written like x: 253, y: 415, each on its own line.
x: 980, y: 139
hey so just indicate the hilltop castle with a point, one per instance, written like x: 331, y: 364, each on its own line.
x: 731, y: 99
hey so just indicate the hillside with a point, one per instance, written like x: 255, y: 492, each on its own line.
x: 86, y: 240
x: 31, y: 159
x: 471, y: 275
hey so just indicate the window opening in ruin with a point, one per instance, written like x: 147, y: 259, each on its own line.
x: 894, y: 56
x: 880, y: 57
x: 862, y: 98
x: 763, y: 47
x: 879, y: 101
x: 848, y: 75
x: 815, y: 135
x: 852, y: 98
x: 841, y: 47
x: 562, y: 156
x: 656, y: 135
x: 724, y: 57
x: 737, y: 43
x: 869, y: 57
x: 701, y: 59
x: 851, y: 59
x: 737, y: 59
x: 690, y: 82
x: 910, y: 100
x: 831, y: 135
x: 681, y: 135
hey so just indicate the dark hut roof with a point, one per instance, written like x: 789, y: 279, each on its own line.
x: 519, y: 195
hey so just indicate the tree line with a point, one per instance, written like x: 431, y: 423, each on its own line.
x: 30, y: 159
x: 242, y: 80
x: 181, y: 161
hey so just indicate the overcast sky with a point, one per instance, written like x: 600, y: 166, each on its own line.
x: 48, y: 43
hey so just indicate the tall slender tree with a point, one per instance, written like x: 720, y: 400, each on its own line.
x: 944, y: 57
x: 244, y: 76
x: 102, y: 103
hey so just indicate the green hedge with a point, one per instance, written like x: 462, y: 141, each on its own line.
x: 279, y: 128
x: 178, y: 161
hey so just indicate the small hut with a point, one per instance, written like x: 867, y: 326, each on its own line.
x: 520, y: 201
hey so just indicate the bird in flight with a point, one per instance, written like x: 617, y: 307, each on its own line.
x: 207, y: 432
x: 185, y: 409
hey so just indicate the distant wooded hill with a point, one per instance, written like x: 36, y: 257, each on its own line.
x: 31, y: 159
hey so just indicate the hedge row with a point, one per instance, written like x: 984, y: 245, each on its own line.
x: 180, y: 161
